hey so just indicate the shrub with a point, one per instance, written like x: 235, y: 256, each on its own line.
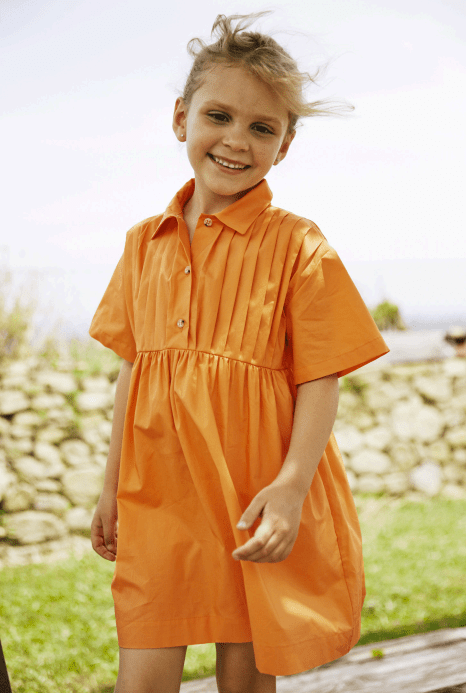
x: 354, y: 384
x: 14, y: 321
x: 387, y: 316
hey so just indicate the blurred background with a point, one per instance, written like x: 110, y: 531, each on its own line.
x: 88, y: 90
x: 87, y: 150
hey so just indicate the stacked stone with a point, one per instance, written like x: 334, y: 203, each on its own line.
x: 402, y: 429
x: 54, y: 436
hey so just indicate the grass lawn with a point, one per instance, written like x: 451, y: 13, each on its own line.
x: 57, y: 623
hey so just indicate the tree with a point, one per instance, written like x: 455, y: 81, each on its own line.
x: 387, y: 317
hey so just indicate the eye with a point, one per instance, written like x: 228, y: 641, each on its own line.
x: 218, y: 116
x: 262, y: 129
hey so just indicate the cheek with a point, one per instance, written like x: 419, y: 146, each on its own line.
x: 267, y: 155
x: 196, y: 150
x: 198, y: 143
x: 191, y: 154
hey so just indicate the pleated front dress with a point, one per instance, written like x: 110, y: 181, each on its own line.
x: 221, y: 331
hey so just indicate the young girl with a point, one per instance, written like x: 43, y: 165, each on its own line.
x: 235, y: 318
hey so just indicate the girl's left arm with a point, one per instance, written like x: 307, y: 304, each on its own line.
x: 314, y: 416
x: 280, y: 503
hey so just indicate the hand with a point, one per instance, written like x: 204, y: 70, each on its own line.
x: 280, y: 507
x: 104, y: 526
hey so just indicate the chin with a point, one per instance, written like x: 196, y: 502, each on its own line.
x: 235, y: 187
x: 229, y: 192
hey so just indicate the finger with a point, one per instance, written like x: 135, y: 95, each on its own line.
x: 100, y: 548
x: 256, y: 545
x: 252, y: 512
x: 281, y: 552
x: 276, y: 550
x: 261, y: 536
x: 104, y: 553
x: 104, y: 548
x: 110, y: 536
x: 111, y: 543
x: 262, y: 555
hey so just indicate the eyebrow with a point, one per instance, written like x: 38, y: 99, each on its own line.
x: 262, y: 118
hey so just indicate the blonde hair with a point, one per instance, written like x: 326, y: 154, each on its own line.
x: 265, y: 59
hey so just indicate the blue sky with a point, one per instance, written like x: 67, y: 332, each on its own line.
x: 87, y: 147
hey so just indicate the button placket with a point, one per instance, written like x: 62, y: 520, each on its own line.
x: 179, y: 302
x: 187, y: 271
x: 181, y: 322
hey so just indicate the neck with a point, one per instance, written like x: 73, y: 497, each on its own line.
x: 201, y: 203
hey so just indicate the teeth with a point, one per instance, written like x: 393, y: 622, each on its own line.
x: 225, y: 163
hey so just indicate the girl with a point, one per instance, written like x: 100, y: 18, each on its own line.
x: 234, y: 319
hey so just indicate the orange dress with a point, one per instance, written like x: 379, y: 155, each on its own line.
x: 220, y: 332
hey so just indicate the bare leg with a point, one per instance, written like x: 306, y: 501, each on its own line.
x: 237, y: 672
x: 157, y: 670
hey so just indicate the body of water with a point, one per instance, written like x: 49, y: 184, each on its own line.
x: 65, y: 299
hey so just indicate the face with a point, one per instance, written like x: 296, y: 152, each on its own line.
x: 235, y: 130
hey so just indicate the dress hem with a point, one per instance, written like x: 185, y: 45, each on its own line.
x: 275, y: 660
x: 296, y: 658
x: 193, y: 631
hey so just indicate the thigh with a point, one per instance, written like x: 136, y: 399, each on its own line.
x: 237, y: 672
x: 157, y: 670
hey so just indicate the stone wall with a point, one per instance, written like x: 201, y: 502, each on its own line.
x: 55, y: 427
x: 401, y: 430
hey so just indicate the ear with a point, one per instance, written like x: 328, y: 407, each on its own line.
x: 180, y: 115
x: 285, y: 145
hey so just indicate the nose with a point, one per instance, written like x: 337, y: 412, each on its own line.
x: 236, y: 138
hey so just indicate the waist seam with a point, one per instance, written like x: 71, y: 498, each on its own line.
x: 211, y: 353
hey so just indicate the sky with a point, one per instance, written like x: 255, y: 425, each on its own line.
x: 87, y: 96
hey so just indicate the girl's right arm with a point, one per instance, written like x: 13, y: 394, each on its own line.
x: 103, y: 526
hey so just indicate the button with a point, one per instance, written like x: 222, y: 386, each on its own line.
x: 180, y: 323
x: 187, y: 269
x: 207, y: 222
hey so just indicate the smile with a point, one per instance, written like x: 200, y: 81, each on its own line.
x: 227, y: 164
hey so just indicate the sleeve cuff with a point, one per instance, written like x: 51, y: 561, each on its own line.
x: 343, y: 363
x: 126, y: 351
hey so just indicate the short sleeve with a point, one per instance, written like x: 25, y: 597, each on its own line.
x: 113, y: 322
x: 328, y: 325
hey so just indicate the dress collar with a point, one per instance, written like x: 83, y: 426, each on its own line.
x: 238, y: 216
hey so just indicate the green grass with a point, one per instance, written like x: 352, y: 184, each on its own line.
x: 93, y: 359
x: 415, y: 562
x: 57, y: 622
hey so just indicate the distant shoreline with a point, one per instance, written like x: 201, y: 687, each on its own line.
x: 66, y: 331
x: 416, y: 325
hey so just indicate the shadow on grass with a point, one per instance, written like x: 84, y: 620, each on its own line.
x: 372, y: 637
